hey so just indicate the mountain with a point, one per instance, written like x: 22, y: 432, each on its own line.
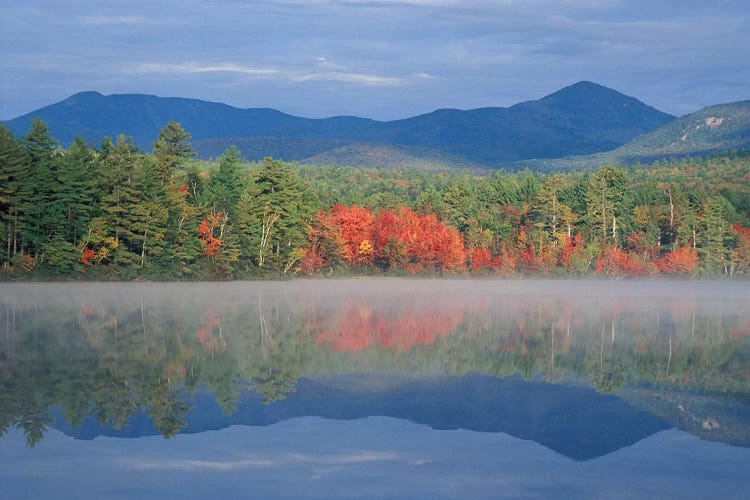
x: 580, y: 119
x: 714, y: 129
x: 710, y: 130
x: 93, y: 116
x: 574, y: 421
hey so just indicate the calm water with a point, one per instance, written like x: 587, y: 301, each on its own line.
x: 375, y: 388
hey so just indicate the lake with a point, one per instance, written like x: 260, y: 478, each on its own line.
x: 375, y: 388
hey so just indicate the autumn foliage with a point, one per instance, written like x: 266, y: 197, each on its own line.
x: 207, y: 229
x: 359, y: 325
x: 402, y: 239
x: 741, y: 251
x: 617, y: 262
x: 394, y: 239
x: 683, y: 260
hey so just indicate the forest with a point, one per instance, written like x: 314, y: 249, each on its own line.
x: 114, y: 212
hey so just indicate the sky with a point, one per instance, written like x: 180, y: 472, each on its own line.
x: 383, y: 59
x: 375, y: 457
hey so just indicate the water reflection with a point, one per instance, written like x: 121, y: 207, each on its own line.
x: 121, y: 352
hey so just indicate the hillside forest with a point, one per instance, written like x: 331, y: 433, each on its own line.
x: 116, y: 212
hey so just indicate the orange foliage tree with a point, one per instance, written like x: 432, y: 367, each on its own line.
x: 480, y: 259
x: 614, y: 261
x: 572, y: 253
x: 207, y: 229
x: 683, y: 260
x: 741, y: 251
x: 355, y: 228
x: 404, y: 239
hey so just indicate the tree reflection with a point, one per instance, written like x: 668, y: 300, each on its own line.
x: 112, y: 357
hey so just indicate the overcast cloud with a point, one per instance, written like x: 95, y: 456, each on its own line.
x: 383, y: 59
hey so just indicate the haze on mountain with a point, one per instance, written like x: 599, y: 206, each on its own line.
x: 581, y: 119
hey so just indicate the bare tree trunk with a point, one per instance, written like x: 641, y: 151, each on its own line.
x: 671, y: 219
x: 614, y: 228
x: 269, y: 219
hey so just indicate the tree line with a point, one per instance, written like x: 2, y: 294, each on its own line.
x: 115, y: 212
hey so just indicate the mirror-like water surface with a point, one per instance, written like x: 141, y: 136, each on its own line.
x: 391, y: 388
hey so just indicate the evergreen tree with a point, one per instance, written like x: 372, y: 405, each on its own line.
x: 76, y: 190
x: 273, y: 213
x: 14, y: 172
x: 550, y: 213
x: 712, y: 236
x: 226, y: 185
x: 43, y: 214
x: 121, y: 194
x: 171, y: 149
x: 604, y: 196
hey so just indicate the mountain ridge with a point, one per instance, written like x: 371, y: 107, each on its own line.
x: 560, y: 417
x: 582, y: 118
x: 716, y: 129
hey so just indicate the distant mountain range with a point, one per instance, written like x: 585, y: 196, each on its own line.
x: 582, y: 119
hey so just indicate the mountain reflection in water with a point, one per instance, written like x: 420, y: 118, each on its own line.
x: 583, y: 368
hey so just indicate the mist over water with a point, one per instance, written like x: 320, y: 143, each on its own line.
x: 636, y: 294
x: 612, y: 333
x: 586, y: 369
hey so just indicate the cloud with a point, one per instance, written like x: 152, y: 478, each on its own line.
x: 358, y: 78
x: 198, y: 465
x: 288, y: 75
x: 285, y: 460
x: 675, y: 55
x: 192, y: 67
x: 110, y: 20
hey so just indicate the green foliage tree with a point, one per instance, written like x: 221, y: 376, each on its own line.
x: 171, y: 149
x: 14, y: 173
x: 272, y: 215
x: 226, y: 185
x: 604, y: 196
x: 43, y: 215
x: 712, y: 236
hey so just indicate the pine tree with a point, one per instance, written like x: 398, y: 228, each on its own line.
x: 226, y: 185
x: 171, y: 149
x: 43, y: 214
x: 121, y: 193
x: 14, y: 172
x: 713, y: 231
x: 273, y: 212
x: 75, y: 190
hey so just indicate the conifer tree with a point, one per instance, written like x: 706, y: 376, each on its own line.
x: 272, y: 215
x: 43, y: 215
x: 14, y: 172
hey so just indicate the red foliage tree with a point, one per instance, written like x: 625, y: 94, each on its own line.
x: 404, y: 239
x: 637, y: 242
x: 206, y: 231
x: 572, y: 252
x: 86, y: 255
x: 741, y: 251
x: 481, y: 260
x: 529, y: 259
x: 683, y: 260
x: 355, y: 225
x: 614, y: 261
